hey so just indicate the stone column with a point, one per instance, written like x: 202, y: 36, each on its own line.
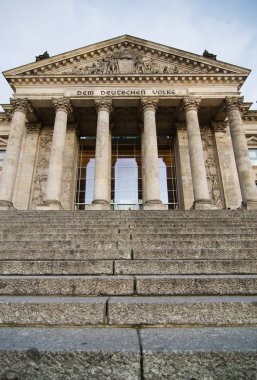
x: 243, y: 162
x: 54, y: 179
x: 199, y: 179
x: 9, y: 171
x: 150, y: 161
x: 102, y: 178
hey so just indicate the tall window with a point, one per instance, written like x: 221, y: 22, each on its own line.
x: 126, y: 173
x: 85, y: 174
x: 167, y: 172
x: 253, y: 156
x: 2, y: 157
x: 126, y: 191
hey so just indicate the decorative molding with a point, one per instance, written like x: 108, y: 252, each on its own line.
x: 181, y: 127
x: 149, y: 102
x: 103, y: 104
x: 233, y: 103
x: 21, y: 104
x: 63, y: 104
x: 251, y: 140
x: 76, y: 79
x: 3, y: 141
x: 33, y: 127
x: 191, y: 103
x: 220, y: 126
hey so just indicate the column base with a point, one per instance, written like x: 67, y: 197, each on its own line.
x: 250, y: 204
x: 154, y: 205
x: 6, y: 205
x: 203, y: 204
x: 99, y: 204
x: 50, y: 205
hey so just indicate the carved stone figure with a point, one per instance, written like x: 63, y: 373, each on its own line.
x: 125, y: 62
x: 45, y: 55
x: 211, y: 167
x: 39, y: 185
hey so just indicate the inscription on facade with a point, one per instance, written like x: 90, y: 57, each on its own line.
x: 127, y: 92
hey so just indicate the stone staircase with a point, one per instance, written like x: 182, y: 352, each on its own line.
x: 128, y: 295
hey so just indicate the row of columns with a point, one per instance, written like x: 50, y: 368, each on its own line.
x: 150, y: 163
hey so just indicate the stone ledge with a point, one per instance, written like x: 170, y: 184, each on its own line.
x: 57, y: 354
x: 201, y: 311
x: 71, y: 311
x: 209, y: 353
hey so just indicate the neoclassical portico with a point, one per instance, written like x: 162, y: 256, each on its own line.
x: 127, y: 124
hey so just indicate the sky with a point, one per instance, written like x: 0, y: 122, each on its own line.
x: 227, y: 28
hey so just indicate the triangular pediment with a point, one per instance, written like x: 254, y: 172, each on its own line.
x: 126, y: 55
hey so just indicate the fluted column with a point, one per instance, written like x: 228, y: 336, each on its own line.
x: 199, y: 179
x: 9, y: 171
x: 243, y: 162
x: 54, y: 179
x: 150, y: 161
x: 102, y: 177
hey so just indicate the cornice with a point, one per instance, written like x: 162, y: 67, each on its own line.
x: 119, y: 78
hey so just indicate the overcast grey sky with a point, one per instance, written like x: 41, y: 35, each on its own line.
x: 227, y: 28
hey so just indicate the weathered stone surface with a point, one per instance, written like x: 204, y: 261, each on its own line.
x: 52, y: 267
x: 196, y: 285
x: 193, y: 253
x: 76, y: 311
x: 62, y: 253
x: 43, y: 354
x: 66, y: 285
x: 209, y: 353
x: 159, y: 267
x: 214, y: 311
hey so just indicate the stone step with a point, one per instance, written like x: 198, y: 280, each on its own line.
x: 157, y: 253
x: 124, y: 234
x: 59, y: 267
x: 69, y: 353
x: 183, y: 266
x: 196, y: 285
x: 67, y: 311
x: 121, y: 353
x: 176, y: 311
x: 199, y: 353
x: 68, y: 236
x: 126, y: 267
x: 93, y: 251
x: 193, y: 243
x: 68, y: 285
x: 204, y: 237
x: 128, y: 311
x: 104, y: 245
x: 87, y: 243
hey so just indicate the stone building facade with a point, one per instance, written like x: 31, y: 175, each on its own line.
x: 127, y: 124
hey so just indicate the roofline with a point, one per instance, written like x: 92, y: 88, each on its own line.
x: 116, y: 39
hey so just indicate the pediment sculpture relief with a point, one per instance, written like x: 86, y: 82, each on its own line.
x: 125, y: 63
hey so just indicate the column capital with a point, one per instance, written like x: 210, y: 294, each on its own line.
x: 149, y: 102
x: 63, y: 104
x: 191, y: 103
x: 103, y: 104
x: 233, y: 103
x: 21, y: 104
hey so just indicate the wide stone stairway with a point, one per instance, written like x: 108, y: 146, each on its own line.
x: 128, y: 295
